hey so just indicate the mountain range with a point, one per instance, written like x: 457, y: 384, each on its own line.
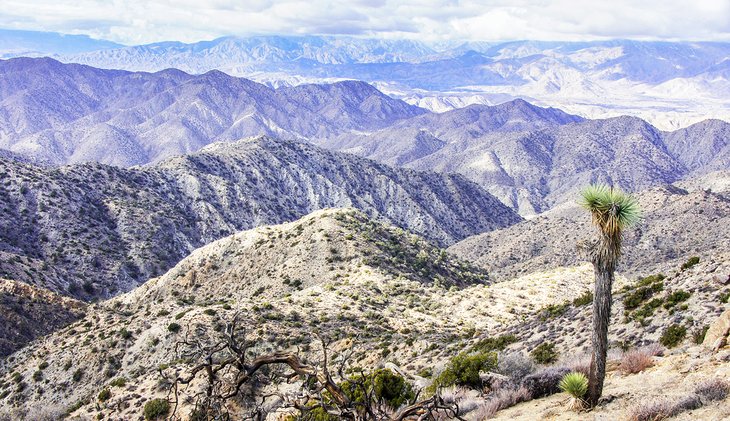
x: 95, y: 230
x: 670, y: 84
x: 531, y: 158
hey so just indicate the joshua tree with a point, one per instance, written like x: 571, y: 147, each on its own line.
x: 612, y: 211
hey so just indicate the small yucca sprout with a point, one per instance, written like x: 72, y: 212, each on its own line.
x: 576, y: 385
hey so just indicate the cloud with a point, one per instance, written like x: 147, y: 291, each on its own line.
x: 143, y: 21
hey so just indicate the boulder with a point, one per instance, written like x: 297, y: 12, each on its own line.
x: 717, y: 335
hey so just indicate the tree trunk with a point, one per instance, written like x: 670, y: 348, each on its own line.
x: 604, y: 274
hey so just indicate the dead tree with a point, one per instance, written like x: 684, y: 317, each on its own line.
x: 224, y: 371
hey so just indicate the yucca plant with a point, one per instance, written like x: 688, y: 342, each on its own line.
x: 576, y: 385
x: 612, y: 211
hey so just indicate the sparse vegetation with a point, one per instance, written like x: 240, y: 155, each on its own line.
x: 464, y: 370
x: 156, y: 409
x: 576, y: 385
x: 636, y: 361
x: 692, y: 261
x: 673, y: 335
x: 545, y: 353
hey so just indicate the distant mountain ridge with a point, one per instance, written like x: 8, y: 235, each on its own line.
x: 670, y: 84
x: 94, y: 230
x: 63, y: 113
x: 533, y: 158
x: 530, y: 157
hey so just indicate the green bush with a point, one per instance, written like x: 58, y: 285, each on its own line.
x: 642, y: 293
x: 173, y: 327
x: 464, y: 370
x: 575, y: 384
x: 156, y: 409
x: 691, y: 262
x: 494, y: 344
x: 585, y: 299
x: 391, y: 388
x: 675, y: 298
x: 104, y: 395
x: 552, y: 311
x: 673, y: 335
x: 76, y: 376
x: 698, y: 336
x: 545, y: 353
x: 118, y: 382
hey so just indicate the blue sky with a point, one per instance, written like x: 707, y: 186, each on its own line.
x: 137, y: 21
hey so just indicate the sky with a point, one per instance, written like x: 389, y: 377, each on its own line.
x: 145, y: 21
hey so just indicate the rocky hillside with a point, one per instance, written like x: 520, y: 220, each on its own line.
x: 67, y: 113
x: 28, y: 312
x: 334, y: 272
x: 534, y: 158
x: 380, y: 296
x: 93, y: 230
x: 677, y: 223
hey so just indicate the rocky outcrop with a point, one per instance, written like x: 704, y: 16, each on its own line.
x: 718, y: 332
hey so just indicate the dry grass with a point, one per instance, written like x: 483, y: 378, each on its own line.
x: 501, y: 399
x: 636, y: 361
x: 713, y: 390
x: 657, y: 410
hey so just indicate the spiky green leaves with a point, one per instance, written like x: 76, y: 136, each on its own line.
x: 612, y: 211
x: 575, y: 384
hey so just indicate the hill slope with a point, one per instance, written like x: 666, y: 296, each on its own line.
x: 378, y: 295
x: 94, y: 230
x: 676, y: 225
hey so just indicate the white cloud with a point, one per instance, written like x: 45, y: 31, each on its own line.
x: 142, y: 21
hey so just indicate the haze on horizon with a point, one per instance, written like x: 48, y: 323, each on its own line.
x: 139, y: 22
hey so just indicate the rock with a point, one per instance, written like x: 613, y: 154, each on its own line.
x: 717, y: 334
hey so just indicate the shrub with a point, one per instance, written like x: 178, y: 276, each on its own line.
x: 383, y: 385
x: 156, y: 409
x: 576, y: 385
x: 662, y: 409
x: 638, y: 296
x: 494, y: 344
x: 675, y: 298
x: 545, y: 353
x: 544, y: 382
x: 125, y: 334
x: 464, y: 370
x: 585, y: 299
x: 118, y: 382
x: 391, y: 388
x: 691, y: 262
x: 173, y: 327
x: 698, y: 336
x: 553, y: 310
x: 713, y: 390
x: 673, y: 335
x: 76, y: 376
x: 515, y: 366
x: 636, y: 361
x: 499, y: 400
x: 104, y: 395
